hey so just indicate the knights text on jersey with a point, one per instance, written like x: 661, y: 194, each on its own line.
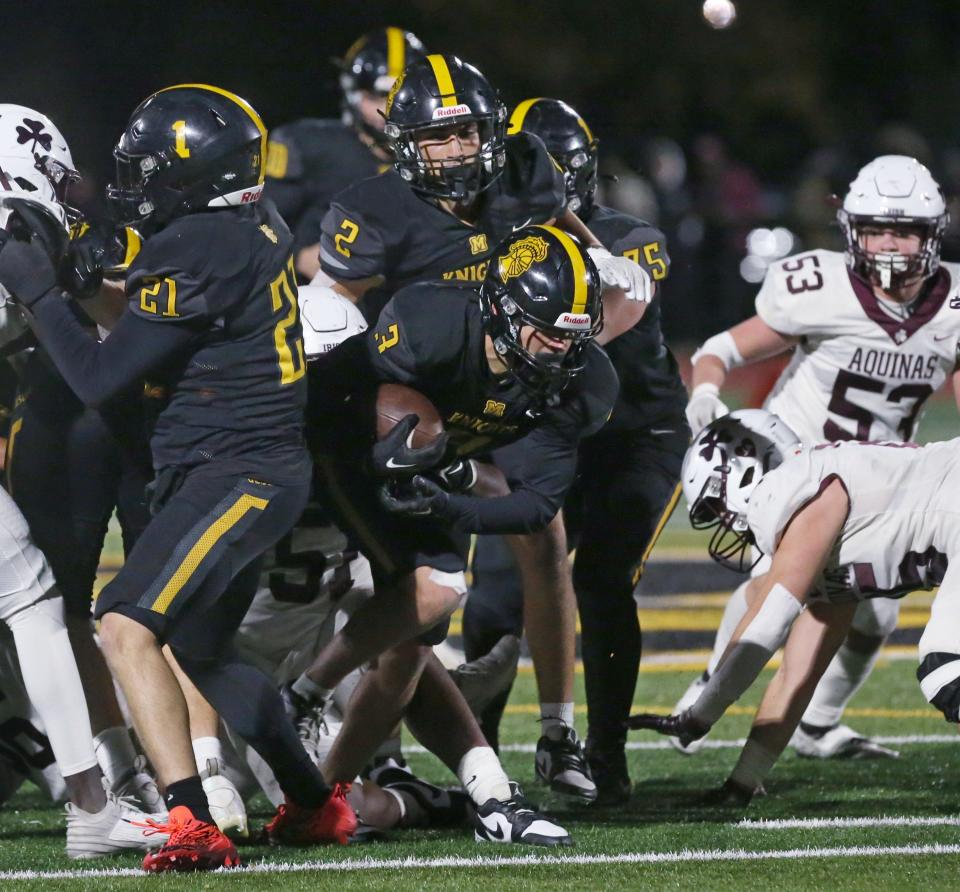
x: 858, y: 373
x: 902, y: 524
x: 381, y: 227
x: 651, y: 390
x: 308, y: 162
x: 239, y: 389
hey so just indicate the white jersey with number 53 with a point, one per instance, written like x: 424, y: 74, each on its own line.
x: 903, y: 526
x: 858, y: 373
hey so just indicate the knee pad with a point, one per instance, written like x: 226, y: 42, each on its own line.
x: 939, y: 677
x: 876, y: 617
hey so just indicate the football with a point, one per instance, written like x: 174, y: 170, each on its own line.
x: 395, y: 402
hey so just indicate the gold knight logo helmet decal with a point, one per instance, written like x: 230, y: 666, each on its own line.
x: 521, y: 256
x: 397, y: 84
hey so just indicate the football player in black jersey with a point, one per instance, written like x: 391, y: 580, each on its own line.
x: 460, y: 186
x: 311, y: 160
x: 212, y: 316
x: 628, y: 474
x: 517, y: 380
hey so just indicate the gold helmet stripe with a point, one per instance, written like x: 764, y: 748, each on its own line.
x: 586, y: 129
x: 441, y: 72
x: 396, y: 52
x: 519, y: 113
x: 133, y: 246
x: 246, y: 106
x: 579, y: 268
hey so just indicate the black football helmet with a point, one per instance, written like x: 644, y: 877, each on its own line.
x: 569, y: 140
x: 542, y: 277
x: 444, y: 92
x: 185, y: 149
x: 372, y: 64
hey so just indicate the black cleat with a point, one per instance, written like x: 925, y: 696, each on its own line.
x: 514, y: 821
x: 562, y: 765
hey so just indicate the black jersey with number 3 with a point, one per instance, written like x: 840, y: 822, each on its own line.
x: 239, y: 387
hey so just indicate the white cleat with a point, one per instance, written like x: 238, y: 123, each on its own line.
x: 118, y: 827
x: 838, y: 742
x: 225, y: 802
x: 139, y: 785
x: 690, y: 696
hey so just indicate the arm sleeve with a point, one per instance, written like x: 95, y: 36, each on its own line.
x: 96, y: 372
x: 539, y: 469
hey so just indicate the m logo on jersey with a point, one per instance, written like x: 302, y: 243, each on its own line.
x: 521, y: 256
x: 495, y: 407
x: 478, y: 243
x: 269, y: 233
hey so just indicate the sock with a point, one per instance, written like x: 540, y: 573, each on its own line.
x: 206, y: 748
x: 738, y: 670
x: 847, y: 671
x: 753, y: 766
x: 401, y: 803
x: 310, y: 690
x: 482, y: 776
x: 555, y: 718
x: 732, y: 614
x: 53, y: 683
x: 115, y: 753
x: 189, y: 792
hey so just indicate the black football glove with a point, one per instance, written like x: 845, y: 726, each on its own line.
x: 81, y: 270
x: 26, y: 270
x: 419, y: 496
x: 458, y: 476
x: 683, y: 726
x: 29, y: 223
x: 394, y: 456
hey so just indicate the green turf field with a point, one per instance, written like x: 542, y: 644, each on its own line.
x: 894, y: 823
x: 663, y: 838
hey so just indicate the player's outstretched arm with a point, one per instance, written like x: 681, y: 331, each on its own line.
x: 750, y: 341
x: 798, y: 561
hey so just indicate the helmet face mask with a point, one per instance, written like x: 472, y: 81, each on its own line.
x: 569, y: 140
x: 430, y: 103
x: 893, y: 192
x: 720, y: 472
x: 368, y: 72
x: 540, y: 281
x: 187, y: 148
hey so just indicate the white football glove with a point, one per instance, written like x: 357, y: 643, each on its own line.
x: 705, y: 405
x: 621, y: 272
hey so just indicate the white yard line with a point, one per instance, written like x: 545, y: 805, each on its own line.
x: 531, y: 860
x: 841, y: 823
x: 899, y: 740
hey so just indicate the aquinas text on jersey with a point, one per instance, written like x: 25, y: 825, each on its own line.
x: 887, y: 364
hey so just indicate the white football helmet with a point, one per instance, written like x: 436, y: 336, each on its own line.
x: 36, y: 166
x: 720, y: 471
x: 894, y: 190
x: 328, y: 319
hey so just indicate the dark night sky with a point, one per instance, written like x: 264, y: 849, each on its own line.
x: 788, y: 75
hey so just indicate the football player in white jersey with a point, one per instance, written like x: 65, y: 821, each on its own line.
x: 35, y: 167
x: 874, y: 331
x: 843, y: 523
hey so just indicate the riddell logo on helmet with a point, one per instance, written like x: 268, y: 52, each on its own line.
x: 450, y: 111
x: 247, y: 197
x: 575, y: 321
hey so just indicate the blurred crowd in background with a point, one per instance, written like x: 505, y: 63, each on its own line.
x: 731, y: 139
